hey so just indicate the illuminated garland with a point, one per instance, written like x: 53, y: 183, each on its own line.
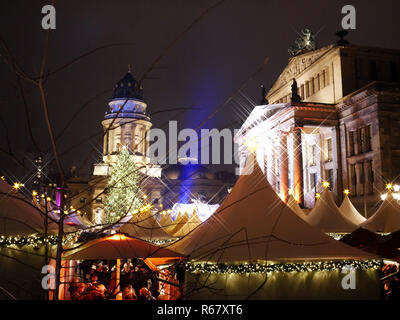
x: 35, y: 240
x: 336, y: 236
x: 161, y: 242
x: 207, y: 267
x: 31, y: 240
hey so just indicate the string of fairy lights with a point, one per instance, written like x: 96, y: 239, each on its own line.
x: 35, y: 240
x: 262, y: 268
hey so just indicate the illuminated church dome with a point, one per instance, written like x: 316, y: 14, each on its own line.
x: 128, y: 95
x: 127, y: 124
x: 128, y: 87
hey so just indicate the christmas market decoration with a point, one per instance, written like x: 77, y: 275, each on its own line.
x: 207, y: 267
x: 123, y: 192
x: 231, y: 255
x: 35, y: 240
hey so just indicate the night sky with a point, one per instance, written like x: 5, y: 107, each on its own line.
x: 202, y: 70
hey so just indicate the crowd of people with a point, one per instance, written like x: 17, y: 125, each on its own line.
x: 98, y: 281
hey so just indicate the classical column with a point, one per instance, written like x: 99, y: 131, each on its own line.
x: 105, y: 144
x: 122, y: 128
x: 337, y: 160
x: 284, y: 167
x: 298, y: 166
x: 147, y: 141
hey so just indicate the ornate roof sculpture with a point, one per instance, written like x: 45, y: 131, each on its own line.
x: 306, y: 42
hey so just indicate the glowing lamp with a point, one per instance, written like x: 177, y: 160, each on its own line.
x: 389, y: 186
x: 48, y: 199
x: 326, y: 184
x: 17, y: 185
x: 117, y: 237
x: 396, y: 188
x: 346, y: 192
x: 383, y: 196
x: 317, y: 195
x: 34, y: 193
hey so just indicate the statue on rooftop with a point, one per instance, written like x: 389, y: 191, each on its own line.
x: 306, y: 42
x: 295, y: 95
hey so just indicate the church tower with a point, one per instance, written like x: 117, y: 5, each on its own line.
x: 126, y: 124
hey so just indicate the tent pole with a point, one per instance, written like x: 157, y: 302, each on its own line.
x: 117, y: 275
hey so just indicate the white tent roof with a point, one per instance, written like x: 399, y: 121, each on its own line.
x: 253, y: 224
x: 327, y: 217
x: 145, y: 227
x: 292, y: 204
x: 18, y: 216
x: 386, y: 218
x: 176, y: 226
x: 350, y: 212
x: 191, y: 224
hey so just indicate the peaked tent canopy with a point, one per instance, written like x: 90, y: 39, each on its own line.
x: 350, y: 212
x: 166, y: 222
x: 145, y: 227
x: 292, y: 204
x: 178, y: 224
x: 328, y: 218
x: 386, y: 218
x: 191, y: 224
x: 253, y: 224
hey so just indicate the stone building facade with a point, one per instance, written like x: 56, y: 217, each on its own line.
x: 345, y: 129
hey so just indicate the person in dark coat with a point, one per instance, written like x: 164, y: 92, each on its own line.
x: 126, y: 276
